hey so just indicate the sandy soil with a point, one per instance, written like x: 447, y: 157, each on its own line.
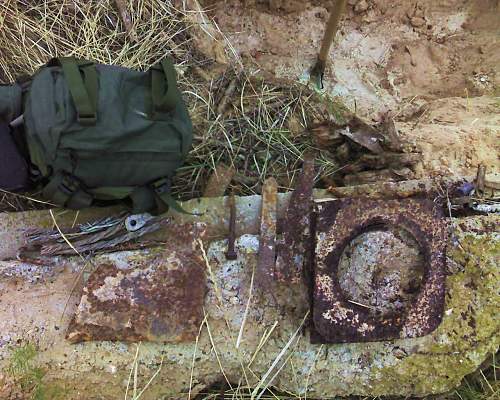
x: 412, y: 59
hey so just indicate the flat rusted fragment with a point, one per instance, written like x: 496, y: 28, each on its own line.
x: 267, y: 240
x: 219, y: 181
x: 337, y: 320
x: 159, y: 298
x: 296, y: 240
x: 410, y: 188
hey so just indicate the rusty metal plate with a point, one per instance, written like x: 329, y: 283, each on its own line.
x: 159, y: 298
x: 338, y: 222
x: 294, y: 246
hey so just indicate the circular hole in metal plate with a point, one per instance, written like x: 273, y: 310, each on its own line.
x: 382, y: 269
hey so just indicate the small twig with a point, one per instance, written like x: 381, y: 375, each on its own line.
x: 250, y: 294
x: 221, y: 107
x: 194, y: 357
x: 362, y: 305
x: 126, y: 19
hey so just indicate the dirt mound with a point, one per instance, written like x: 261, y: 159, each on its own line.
x: 385, y: 51
x: 427, y: 63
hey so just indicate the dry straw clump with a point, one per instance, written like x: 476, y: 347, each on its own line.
x: 257, y: 126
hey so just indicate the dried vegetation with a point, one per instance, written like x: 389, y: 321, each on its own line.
x: 253, y: 124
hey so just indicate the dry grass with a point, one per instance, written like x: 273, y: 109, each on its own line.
x: 262, y: 131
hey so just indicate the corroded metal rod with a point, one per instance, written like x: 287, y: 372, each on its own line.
x: 231, y: 252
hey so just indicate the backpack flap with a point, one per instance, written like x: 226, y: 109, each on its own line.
x: 10, y: 102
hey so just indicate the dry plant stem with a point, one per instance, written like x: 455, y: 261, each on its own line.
x: 134, y: 362
x: 194, y: 357
x: 227, y: 95
x: 245, y: 315
x: 215, y: 351
x: 279, y: 357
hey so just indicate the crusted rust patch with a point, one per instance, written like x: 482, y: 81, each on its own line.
x: 294, y: 245
x: 337, y: 320
x: 160, y: 298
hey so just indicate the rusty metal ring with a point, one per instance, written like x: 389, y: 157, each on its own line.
x: 337, y: 320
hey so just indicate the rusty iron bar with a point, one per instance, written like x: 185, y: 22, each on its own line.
x: 231, y: 251
x: 267, y: 241
x: 219, y: 181
x: 480, y: 178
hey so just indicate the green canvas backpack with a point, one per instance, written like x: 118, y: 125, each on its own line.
x: 99, y: 133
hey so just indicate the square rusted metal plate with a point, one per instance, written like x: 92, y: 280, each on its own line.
x: 158, y: 297
x: 338, y: 222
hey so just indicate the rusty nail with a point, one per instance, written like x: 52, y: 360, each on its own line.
x: 231, y: 252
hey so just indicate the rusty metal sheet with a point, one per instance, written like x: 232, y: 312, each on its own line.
x: 158, y: 297
x: 267, y: 241
x: 337, y: 320
x: 294, y: 245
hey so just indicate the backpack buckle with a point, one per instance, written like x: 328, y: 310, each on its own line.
x: 162, y: 186
x: 69, y: 185
x: 86, y: 120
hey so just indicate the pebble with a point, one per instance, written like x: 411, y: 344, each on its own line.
x: 361, y: 6
x: 417, y: 21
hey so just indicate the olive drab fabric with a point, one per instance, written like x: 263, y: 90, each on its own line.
x: 14, y: 173
x: 10, y: 102
x: 100, y: 132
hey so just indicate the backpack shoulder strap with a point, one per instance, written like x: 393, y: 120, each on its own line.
x: 155, y: 198
x: 83, y: 89
x: 164, y: 92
